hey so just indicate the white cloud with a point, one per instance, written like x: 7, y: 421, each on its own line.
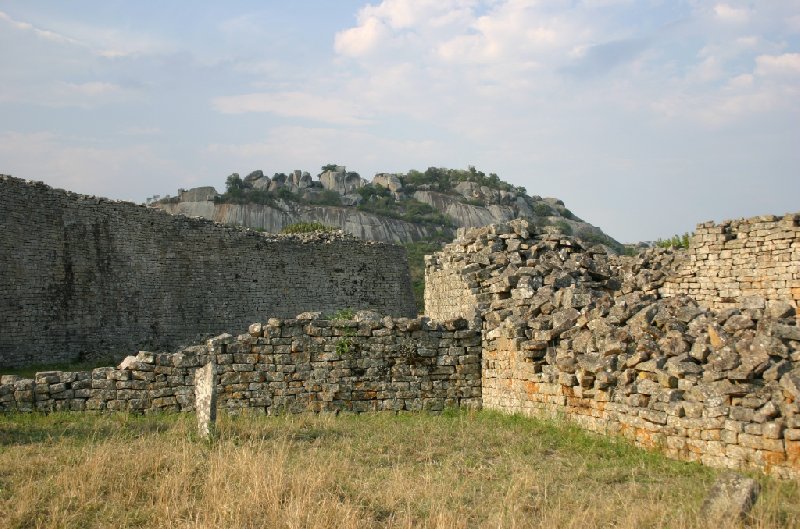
x: 731, y: 14
x: 362, y: 39
x: 787, y: 64
x: 295, y: 104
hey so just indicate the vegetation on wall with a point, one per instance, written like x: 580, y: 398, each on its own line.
x: 676, y: 241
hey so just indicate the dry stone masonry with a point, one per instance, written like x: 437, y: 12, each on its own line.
x: 370, y: 363
x: 741, y: 263
x: 694, y: 352
x: 87, y: 277
x: 569, y: 330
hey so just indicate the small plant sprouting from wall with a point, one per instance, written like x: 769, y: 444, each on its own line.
x: 343, y: 314
x: 345, y: 346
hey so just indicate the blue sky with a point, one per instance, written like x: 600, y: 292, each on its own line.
x: 645, y: 117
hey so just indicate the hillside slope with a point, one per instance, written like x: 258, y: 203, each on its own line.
x: 400, y: 208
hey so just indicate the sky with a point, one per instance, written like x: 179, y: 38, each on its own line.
x: 645, y: 117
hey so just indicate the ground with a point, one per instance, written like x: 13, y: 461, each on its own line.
x: 457, y: 469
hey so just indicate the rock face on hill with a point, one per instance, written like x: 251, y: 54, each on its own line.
x: 397, y: 208
x: 273, y: 218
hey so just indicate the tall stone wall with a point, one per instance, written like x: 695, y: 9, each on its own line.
x: 448, y: 291
x: 366, y: 364
x: 745, y: 261
x: 571, y: 331
x: 83, y: 276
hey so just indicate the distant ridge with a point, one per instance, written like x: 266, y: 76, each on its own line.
x: 393, y: 207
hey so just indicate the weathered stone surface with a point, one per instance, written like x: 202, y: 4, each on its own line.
x: 103, y: 278
x: 378, y: 363
x: 205, y: 394
x: 745, y: 263
x: 730, y: 499
x: 608, y: 350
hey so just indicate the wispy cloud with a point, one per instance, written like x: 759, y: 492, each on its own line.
x: 39, y: 32
x: 102, y: 42
x: 295, y: 104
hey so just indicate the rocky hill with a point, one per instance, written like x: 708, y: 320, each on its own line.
x: 402, y: 208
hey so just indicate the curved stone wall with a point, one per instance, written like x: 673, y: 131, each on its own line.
x: 88, y: 277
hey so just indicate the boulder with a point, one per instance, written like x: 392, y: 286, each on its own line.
x: 730, y: 499
x: 387, y: 180
x: 341, y: 182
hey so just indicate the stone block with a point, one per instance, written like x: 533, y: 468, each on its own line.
x: 730, y: 499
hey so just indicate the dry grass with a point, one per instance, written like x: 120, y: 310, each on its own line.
x: 460, y: 469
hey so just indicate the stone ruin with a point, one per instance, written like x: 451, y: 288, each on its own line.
x: 85, y: 278
x: 612, y: 344
x: 694, y: 352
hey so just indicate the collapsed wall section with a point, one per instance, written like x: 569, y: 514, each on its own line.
x: 374, y: 364
x: 570, y: 331
x: 741, y: 262
x: 88, y: 277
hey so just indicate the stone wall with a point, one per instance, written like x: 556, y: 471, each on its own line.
x: 448, y: 291
x: 85, y: 277
x: 741, y: 262
x: 571, y: 331
x: 366, y: 364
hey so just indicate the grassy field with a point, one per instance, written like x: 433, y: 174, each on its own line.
x: 459, y: 469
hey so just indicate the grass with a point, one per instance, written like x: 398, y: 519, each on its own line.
x: 459, y: 469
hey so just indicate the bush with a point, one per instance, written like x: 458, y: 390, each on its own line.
x: 370, y: 191
x: 677, y: 241
x: 343, y: 314
x: 563, y: 226
x: 235, y: 183
x: 567, y: 214
x: 542, y: 209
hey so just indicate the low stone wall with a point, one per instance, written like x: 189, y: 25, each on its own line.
x: 570, y: 331
x: 283, y: 365
x: 741, y: 263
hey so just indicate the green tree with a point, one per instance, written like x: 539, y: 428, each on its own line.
x: 234, y: 183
